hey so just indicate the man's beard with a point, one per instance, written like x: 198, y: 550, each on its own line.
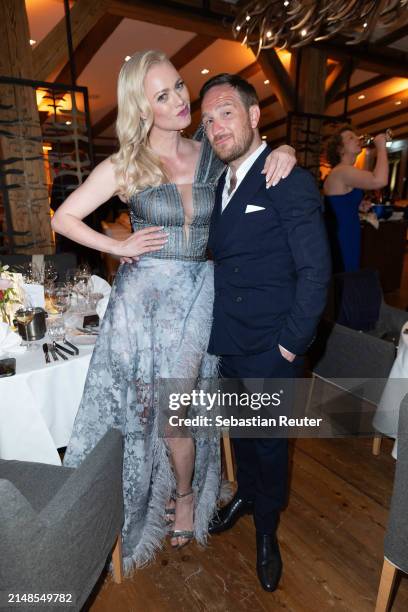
x: 240, y: 147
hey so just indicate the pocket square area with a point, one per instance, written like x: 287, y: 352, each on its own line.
x: 253, y: 208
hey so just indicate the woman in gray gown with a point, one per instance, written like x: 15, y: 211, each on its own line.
x: 158, y: 319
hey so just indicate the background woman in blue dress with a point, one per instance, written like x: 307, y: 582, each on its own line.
x: 344, y: 190
x: 158, y: 319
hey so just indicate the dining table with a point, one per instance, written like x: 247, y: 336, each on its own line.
x: 39, y: 403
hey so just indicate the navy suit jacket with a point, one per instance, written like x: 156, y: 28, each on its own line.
x: 272, y: 266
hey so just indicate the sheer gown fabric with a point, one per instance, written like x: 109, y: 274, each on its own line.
x: 156, y: 325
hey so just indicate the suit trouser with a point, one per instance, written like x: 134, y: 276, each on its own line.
x: 262, y: 463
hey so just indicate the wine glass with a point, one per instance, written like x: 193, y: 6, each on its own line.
x: 24, y: 316
x: 60, y: 298
x: 48, y: 299
x: 82, y: 286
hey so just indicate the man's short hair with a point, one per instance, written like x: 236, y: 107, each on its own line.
x: 246, y: 91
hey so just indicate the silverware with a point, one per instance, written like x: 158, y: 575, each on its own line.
x: 46, y: 353
x: 88, y: 332
x: 64, y: 357
x: 74, y: 348
x: 53, y: 352
x: 63, y: 348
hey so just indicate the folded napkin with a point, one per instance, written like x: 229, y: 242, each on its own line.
x: 9, y: 341
x: 101, y: 286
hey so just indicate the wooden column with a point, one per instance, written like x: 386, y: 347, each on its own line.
x: 29, y: 203
x: 402, y: 174
x: 311, y: 77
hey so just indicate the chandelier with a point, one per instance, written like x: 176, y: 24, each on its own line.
x: 292, y: 23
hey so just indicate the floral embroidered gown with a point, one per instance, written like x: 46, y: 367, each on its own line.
x: 156, y: 325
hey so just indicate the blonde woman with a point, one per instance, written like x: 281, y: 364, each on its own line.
x: 158, y: 319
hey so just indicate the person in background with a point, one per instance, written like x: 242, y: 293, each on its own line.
x: 344, y: 190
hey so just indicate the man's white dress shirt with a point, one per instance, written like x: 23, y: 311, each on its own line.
x: 240, y: 174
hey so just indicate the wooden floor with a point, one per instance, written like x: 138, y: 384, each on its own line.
x: 331, y: 539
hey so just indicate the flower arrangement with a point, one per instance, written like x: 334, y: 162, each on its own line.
x: 7, y: 294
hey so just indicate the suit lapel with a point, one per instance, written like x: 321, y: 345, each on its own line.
x: 250, y: 185
x: 216, y: 213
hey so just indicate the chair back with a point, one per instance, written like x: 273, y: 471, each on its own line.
x: 64, y: 546
x: 341, y: 352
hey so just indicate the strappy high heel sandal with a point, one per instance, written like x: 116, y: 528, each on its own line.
x: 182, y: 533
x: 169, y: 513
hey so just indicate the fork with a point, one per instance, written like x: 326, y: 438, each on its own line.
x: 53, y: 352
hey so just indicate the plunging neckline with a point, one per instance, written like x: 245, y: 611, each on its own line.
x: 181, y: 200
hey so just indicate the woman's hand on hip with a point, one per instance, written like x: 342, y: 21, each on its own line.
x: 140, y: 242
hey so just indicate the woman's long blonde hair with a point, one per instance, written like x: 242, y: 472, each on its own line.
x: 136, y: 164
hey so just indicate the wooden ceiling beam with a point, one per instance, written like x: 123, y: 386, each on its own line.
x: 336, y: 80
x: 268, y: 101
x: 250, y: 71
x: 191, y: 49
x: 401, y: 136
x: 393, y: 36
x: 393, y: 127
x: 389, y: 62
x: 365, y: 107
x: 51, y: 53
x: 105, y: 122
x: 187, y: 18
x: 273, y: 124
x: 361, y: 87
x: 181, y: 58
x: 396, y: 114
x: 280, y: 80
x: 90, y: 44
x: 246, y: 73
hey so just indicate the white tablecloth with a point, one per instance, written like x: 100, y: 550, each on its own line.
x: 387, y: 414
x: 38, y: 405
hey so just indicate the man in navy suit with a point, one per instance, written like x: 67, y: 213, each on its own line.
x: 272, y: 269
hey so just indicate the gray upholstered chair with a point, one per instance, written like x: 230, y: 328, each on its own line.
x: 350, y: 361
x: 58, y: 525
x: 396, y: 537
x: 341, y: 352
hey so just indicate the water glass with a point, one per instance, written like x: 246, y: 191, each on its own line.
x: 56, y: 328
x: 60, y: 297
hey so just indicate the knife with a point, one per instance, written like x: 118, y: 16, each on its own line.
x: 64, y: 357
x: 46, y: 353
x: 87, y: 332
x: 74, y: 348
x: 53, y: 352
x: 63, y: 348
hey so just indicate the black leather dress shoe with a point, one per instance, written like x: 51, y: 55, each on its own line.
x: 228, y: 515
x: 268, y: 561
